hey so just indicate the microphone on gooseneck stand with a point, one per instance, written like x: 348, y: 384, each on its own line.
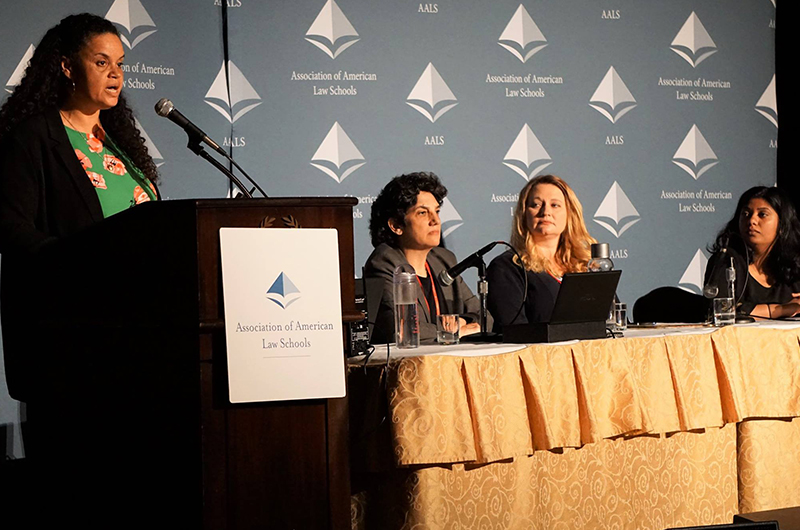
x: 166, y: 109
x: 711, y: 289
x: 448, y: 276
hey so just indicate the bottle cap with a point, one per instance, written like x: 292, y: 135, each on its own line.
x: 600, y: 250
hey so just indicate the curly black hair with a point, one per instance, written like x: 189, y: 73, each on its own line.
x: 395, y: 199
x: 783, y: 260
x: 45, y: 86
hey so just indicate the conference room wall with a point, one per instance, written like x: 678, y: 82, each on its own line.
x: 296, y: 137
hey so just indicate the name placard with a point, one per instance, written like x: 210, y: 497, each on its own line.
x: 283, y: 313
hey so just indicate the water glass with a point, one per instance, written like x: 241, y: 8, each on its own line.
x: 724, y: 312
x: 620, y: 316
x: 448, y: 328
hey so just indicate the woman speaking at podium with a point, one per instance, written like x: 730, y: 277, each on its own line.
x: 763, y: 239
x: 550, y: 235
x: 70, y: 156
x: 406, y: 230
x: 70, y: 152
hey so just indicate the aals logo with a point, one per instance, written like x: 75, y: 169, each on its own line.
x: 283, y: 292
x: 522, y: 36
x: 527, y: 155
x: 449, y: 217
x: 331, y: 32
x: 616, y: 213
x: 767, y: 104
x: 132, y: 16
x: 337, y: 156
x: 693, y: 42
x: 243, y: 97
x: 694, y: 275
x: 431, y: 96
x: 694, y: 155
x: 19, y: 71
x: 152, y: 150
x: 612, y: 98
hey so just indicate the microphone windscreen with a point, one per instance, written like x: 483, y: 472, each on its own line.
x: 164, y: 107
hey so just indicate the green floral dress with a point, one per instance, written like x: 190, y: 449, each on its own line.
x: 119, y: 185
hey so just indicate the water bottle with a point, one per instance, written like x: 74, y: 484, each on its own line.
x: 406, y: 323
x: 600, y: 262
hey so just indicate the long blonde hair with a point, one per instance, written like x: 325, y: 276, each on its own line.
x: 574, y: 244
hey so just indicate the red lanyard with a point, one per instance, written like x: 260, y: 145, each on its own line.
x: 433, y: 288
x: 556, y: 278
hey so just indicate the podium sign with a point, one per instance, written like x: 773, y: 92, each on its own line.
x: 283, y: 316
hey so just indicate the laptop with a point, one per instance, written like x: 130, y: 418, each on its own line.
x: 580, y: 310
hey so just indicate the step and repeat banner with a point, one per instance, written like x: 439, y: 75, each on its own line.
x: 658, y: 113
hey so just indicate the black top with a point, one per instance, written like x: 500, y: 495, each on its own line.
x: 749, y: 293
x: 428, y: 292
x: 506, y: 291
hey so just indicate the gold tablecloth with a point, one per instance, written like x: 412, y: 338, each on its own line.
x: 630, y: 433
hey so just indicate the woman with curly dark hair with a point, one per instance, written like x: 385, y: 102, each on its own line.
x: 406, y: 230
x: 763, y: 239
x: 70, y: 152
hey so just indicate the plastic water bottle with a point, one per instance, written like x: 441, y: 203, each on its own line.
x: 600, y: 262
x: 406, y: 323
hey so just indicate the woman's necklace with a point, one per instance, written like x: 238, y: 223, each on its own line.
x: 66, y: 118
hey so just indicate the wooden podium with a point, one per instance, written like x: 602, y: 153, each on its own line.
x: 121, y: 357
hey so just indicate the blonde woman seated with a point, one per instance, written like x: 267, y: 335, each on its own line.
x: 550, y: 234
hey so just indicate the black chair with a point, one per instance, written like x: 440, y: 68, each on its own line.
x: 670, y: 304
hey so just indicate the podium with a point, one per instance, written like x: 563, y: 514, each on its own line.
x: 120, y: 354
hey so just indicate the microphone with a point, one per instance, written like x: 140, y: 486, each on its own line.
x: 710, y: 289
x: 448, y: 276
x: 166, y: 109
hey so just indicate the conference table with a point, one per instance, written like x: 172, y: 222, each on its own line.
x: 664, y: 427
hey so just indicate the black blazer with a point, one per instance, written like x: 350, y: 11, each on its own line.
x: 458, y: 298
x: 44, y: 192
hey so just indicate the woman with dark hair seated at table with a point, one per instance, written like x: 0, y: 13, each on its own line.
x: 406, y: 230
x: 763, y: 239
x: 549, y: 233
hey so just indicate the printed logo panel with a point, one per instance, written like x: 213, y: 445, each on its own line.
x: 767, y: 104
x: 694, y: 275
x: 616, y: 213
x: 331, y: 32
x: 450, y: 218
x: 136, y: 24
x: 694, y: 155
x: 431, y: 96
x: 337, y: 156
x: 243, y: 97
x: 522, y: 36
x: 19, y: 71
x: 152, y: 150
x: 283, y: 292
x: 527, y: 156
x: 612, y: 98
x: 693, y: 42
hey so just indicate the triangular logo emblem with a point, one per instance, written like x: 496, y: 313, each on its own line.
x: 133, y: 19
x: 616, y: 213
x: 19, y: 71
x: 431, y: 96
x: 152, y: 150
x: 527, y: 156
x: 331, y: 32
x: 337, y: 156
x: 694, y: 276
x: 767, y: 104
x: 450, y: 218
x: 522, y: 36
x: 283, y: 292
x: 612, y: 98
x: 694, y: 155
x: 242, y: 99
x: 693, y: 42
